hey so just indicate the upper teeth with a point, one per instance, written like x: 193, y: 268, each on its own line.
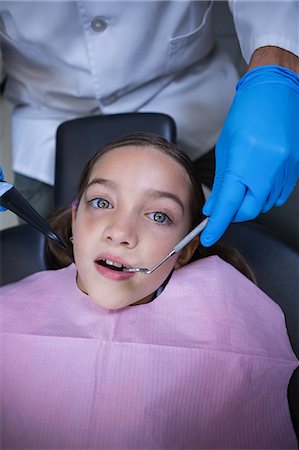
x: 112, y: 263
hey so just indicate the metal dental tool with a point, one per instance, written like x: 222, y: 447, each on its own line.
x: 175, y: 249
x: 11, y: 199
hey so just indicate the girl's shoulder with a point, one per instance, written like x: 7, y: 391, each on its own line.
x: 40, y: 282
x: 213, y: 283
x: 22, y: 302
x: 212, y: 305
x: 213, y: 277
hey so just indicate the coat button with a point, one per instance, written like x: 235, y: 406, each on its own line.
x: 99, y: 24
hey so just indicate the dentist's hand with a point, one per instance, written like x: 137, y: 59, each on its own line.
x: 4, y: 187
x: 257, y: 153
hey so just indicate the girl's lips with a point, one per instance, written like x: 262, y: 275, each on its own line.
x: 112, y: 274
x: 115, y: 259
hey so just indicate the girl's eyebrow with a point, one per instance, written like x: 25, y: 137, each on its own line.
x: 164, y: 194
x: 102, y: 181
x: 151, y: 193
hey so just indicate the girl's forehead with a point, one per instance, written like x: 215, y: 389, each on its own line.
x: 140, y: 159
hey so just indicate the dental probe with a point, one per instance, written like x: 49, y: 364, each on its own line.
x: 175, y: 249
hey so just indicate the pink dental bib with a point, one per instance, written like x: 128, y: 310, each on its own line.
x: 204, y: 366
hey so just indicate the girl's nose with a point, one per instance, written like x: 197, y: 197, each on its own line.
x: 122, y: 231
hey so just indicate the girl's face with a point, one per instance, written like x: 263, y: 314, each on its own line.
x: 134, y: 210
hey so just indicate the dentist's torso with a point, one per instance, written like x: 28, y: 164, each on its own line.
x: 75, y: 58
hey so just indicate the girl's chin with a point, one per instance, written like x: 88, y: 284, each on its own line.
x: 118, y: 303
x: 104, y: 300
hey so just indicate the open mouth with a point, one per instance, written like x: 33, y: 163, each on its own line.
x: 111, y: 264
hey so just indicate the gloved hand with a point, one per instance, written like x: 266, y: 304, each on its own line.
x: 257, y: 153
x: 4, y: 187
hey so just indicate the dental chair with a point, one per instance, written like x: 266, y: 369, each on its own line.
x: 274, y: 262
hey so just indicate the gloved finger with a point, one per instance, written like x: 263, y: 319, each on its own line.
x: 288, y: 188
x: 1, y: 174
x: 276, y: 190
x: 218, y: 181
x: 209, y: 205
x: 228, y: 202
x: 219, y: 174
x: 285, y: 194
x: 251, y: 206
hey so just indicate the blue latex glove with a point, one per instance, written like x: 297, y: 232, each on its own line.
x: 4, y: 187
x: 257, y: 153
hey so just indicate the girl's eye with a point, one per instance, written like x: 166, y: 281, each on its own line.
x: 100, y: 203
x: 160, y: 217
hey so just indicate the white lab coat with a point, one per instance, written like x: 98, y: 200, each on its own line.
x: 68, y: 59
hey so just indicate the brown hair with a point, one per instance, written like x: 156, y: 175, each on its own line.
x: 61, y: 222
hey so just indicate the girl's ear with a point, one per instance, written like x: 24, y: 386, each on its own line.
x: 187, y: 253
x: 74, y: 211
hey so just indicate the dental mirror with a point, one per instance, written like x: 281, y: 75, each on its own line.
x: 175, y: 249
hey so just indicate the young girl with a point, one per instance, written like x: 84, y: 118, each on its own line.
x: 191, y: 356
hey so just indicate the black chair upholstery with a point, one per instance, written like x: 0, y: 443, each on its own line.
x: 22, y: 253
x: 78, y: 139
x: 276, y: 267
